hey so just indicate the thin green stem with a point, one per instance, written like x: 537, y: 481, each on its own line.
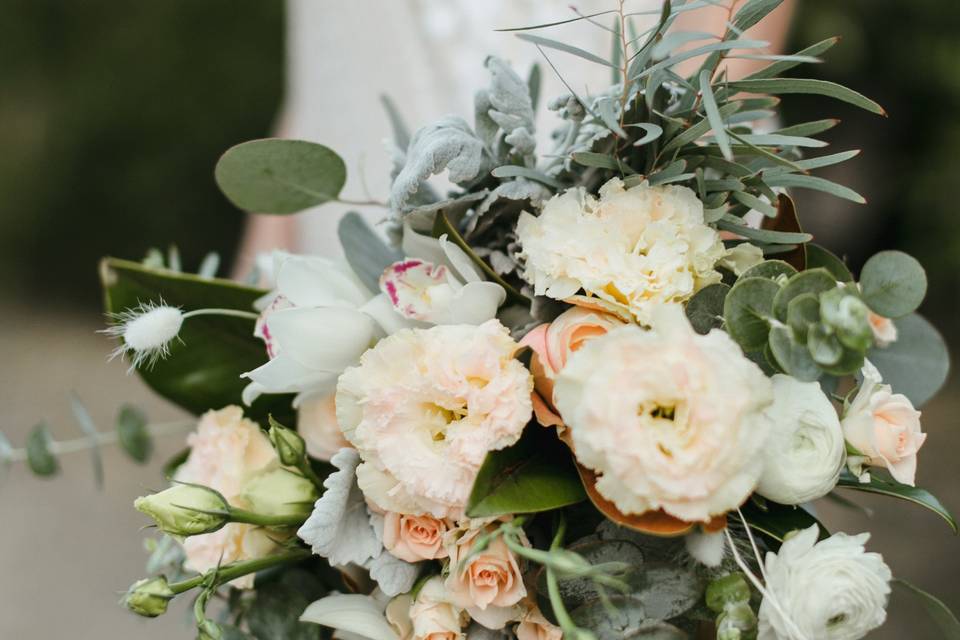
x: 249, y: 517
x: 362, y: 203
x: 234, y: 313
x: 239, y: 569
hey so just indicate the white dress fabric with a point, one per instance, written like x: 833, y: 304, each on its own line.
x: 427, y: 55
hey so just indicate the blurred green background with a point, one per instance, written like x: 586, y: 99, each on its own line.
x: 112, y: 116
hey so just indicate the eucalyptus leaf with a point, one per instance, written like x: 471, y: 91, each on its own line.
x: 652, y: 132
x: 815, y: 163
x: 780, y: 86
x: 734, y: 225
x: 815, y: 281
x: 593, y: 159
x: 893, y: 283
x: 132, y: 433
x: 747, y: 310
x: 40, y: 459
x: 566, y: 48
x: 892, y: 488
x: 770, y: 269
x: 820, y: 257
x: 705, y: 308
x: 753, y: 11
x: 699, y: 129
x: 89, y: 429
x: 607, y: 109
x: 780, y: 67
x: 516, y: 171
x: 536, y: 474
x: 367, y: 254
x: 280, y: 176
x: 814, y: 183
x: 917, y: 363
x: 808, y: 128
x: 713, y: 115
x: 792, y: 354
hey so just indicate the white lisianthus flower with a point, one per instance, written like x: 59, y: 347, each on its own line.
x: 668, y: 419
x: 636, y: 247
x: 805, y: 453
x: 425, y: 406
x: 828, y: 590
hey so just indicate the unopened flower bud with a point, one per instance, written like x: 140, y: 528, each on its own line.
x: 149, y: 597
x: 186, y: 509
x: 737, y: 621
x: 848, y: 315
x: 290, y: 447
x: 729, y: 589
x: 281, y: 492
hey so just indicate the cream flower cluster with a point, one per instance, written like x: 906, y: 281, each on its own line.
x: 425, y: 406
x: 669, y: 419
x: 636, y: 247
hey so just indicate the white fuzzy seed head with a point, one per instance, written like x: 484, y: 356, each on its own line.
x: 146, y: 332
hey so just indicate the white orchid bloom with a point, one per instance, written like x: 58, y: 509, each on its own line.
x: 439, y: 284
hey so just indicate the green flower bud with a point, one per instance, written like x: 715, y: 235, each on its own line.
x: 289, y: 445
x: 281, y: 492
x: 737, y: 622
x: 149, y: 597
x: 848, y: 315
x: 728, y: 589
x: 186, y: 509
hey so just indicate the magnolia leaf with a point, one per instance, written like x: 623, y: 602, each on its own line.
x: 890, y: 487
x: 353, y: 613
x: 39, y: 457
x: 447, y: 144
x: 787, y: 221
x: 367, y: 254
x: 278, y: 603
x: 893, y: 283
x: 917, y: 363
x: 536, y: 474
x: 133, y: 435
x: 339, y: 528
x: 705, y: 308
x: 747, y: 309
x: 280, y: 176
x: 935, y: 608
x: 774, y: 521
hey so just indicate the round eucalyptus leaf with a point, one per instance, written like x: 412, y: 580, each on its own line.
x: 824, y: 347
x: 893, y: 283
x: 803, y: 311
x: 705, y: 308
x: 669, y: 590
x: 770, y: 269
x: 917, y: 363
x: 133, y: 434
x: 814, y: 281
x: 747, y: 309
x: 818, y: 256
x: 280, y: 176
x: 849, y: 363
x: 577, y: 591
x: 626, y: 616
x: 792, y: 355
x: 39, y: 457
x: 653, y: 630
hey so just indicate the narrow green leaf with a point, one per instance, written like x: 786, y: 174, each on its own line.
x: 401, y: 134
x: 780, y: 67
x: 536, y: 474
x: 82, y: 416
x: 815, y: 183
x: 677, y: 39
x: 516, y: 171
x: 546, y: 25
x: 723, y: 184
x: 814, y: 163
x: 781, y: 86
x: 366, y: 253
x: 809, y: 128
x: 778, y: 58
x: 280, y: 176
x: 917, y: 363
x: 755, y: 203
x: 593, y: 159
x: 893, y: 489
x: 893, y: 283
x: 698, y: 130
x: 607, y: 113
x: 753, y: 12
x: 133, y: 435
x: 566, y: 48
x: 938, y: 611
x: 534, y: 84
x: 713, y: 115
x: 653, y: 131
x: 39, y: 457
x: 735, y: 225
x: 670, y: 173
x: 617, y: 54
x: 764, y: 153
x: 777, y: 140
x: 726, y: 45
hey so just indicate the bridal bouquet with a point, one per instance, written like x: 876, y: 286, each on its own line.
x: 582, y: 392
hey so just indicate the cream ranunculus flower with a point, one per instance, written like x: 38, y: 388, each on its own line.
x: 414, y: 538
x: 433, y: 614
x: 488, y: 584
x: 828, y: 590
x: 317, y: 425
x: 425, y: 406
x: 636, y: 247
x: 669, y: 419
x: 805, y: 453
x: 884, y: 426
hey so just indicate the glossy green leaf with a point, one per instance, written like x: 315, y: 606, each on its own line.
x: 133, y: 435
x: 747, y: 309
x: 780, y: 86
x: 819, y: 257
x: 367, y: 254
x: 890, y: 487
x: 536, y: 474
x: 814, y: 183
x: 713, y: 115
x: 40, y: 459
x: 280, y: 176
x: 204, y: 366
x: 917, y: 363
x: 705, y: 308
x: 939, y: 612
x: 566, y: 48
x: 774, y: 521
x: 893, y: 283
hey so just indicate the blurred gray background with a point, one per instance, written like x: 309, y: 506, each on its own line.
x: 112, y: 116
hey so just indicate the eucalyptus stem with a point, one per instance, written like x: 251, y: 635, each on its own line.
x: 259, y: 519
x: 239, y: 569
x: 85, y: 443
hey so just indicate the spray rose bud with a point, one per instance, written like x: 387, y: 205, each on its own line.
x: 281, y: 492
x: 149, y: 597
x: 849, y: 317
x: 290, y: 447
x: 186, y: 509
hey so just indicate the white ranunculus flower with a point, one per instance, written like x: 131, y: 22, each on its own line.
x: 805, y: 452
x: 636, y: 247
x: 668, y: 419
x: 828, y: 590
